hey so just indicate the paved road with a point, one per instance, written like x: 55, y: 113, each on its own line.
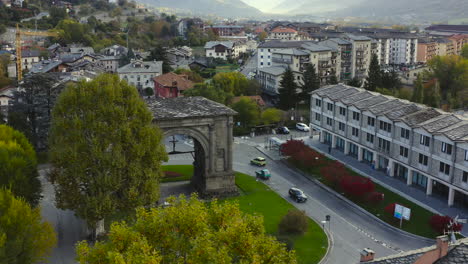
x: 250, y: 65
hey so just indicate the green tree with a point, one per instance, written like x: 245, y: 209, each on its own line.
x: 248, y: 112
x: 311, y: 82
x: 452, y: 74
x: 374, y: 75
x: 24, y: 237
x: 288, y: 95
x: 355, y: 82
x: 390, y: 80
x: 431, y: 96
x: 464, y: 51
x: 188, y: 231
x: 234, y: 83
x: 158, y: 53
x: 107, y: 156
x: 333, y: 79
x: 18, y: 171
x: 208, y: 91
x: 71, y: 31
x: 262, y: 36
x: 418, y: 92
x: 271, y: 116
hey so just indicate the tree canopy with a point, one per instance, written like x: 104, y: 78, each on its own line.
x: 288, y: 96
x: 188, y: 231
x: 271, y: 116
x: 451, y: 72
x: 24, y: 237
x: 107, y: 155
x: 248, y: 112
x: 311, y: 82
x: 18, y: 171
x: 374, y: 75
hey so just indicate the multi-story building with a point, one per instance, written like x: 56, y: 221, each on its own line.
x: 283, y: 33
x: 445, y: 47
x: 425, y: 147
x: 270, y: 78
x: 140, y: 73
x: 458, y: 41
x: 227, y: 30
x: 219, y: 49
x: 402, y: 50
x: 361, y: 53
x: 345, y: 50
x: 327, y: 61
x: 427, y: 49
x: 265, y: 50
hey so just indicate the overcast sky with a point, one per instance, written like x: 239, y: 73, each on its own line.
x: 263, y: 5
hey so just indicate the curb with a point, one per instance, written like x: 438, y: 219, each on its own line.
x: 331, y: 242
x: 339, y: 196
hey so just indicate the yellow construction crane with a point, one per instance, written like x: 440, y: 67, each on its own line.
x: 19, y: 33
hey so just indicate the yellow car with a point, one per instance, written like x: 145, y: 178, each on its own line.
x: 258, y: 161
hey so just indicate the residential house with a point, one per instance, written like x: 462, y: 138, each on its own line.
x: 270, y: 78
x: 171, y: 85
x: 115, y: 50
x: 409, y: 75
x: 421, y: 146
x: 110, y: 63
x: 81, y: 50
x: 179, y: 57
x: 220, y: 49
x: 140, y: 73
x: 443, y: 252
x: 345, y: 48
x: 283, y: 33
x: 29, y: 57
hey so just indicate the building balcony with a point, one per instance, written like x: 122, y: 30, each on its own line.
x: 383, y: 150
x: 282, y: 60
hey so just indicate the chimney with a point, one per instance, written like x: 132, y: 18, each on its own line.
x: 367, y: 254
x: 442, y: 245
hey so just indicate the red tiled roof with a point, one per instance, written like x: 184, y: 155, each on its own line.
x: 173, y: 80
x: 458, y: 36
x: 283, y: 30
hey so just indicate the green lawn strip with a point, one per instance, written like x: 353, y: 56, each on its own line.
x: 185, y: 170
x: 258, y: 198
x: 419, y: 222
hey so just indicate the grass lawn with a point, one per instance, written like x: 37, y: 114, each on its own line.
x: 227, y: 68
x: 258, y: 198
x: 185, y: 172
x: 419, y: 222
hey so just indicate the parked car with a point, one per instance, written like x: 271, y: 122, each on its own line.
x: 282, y: 130
x: 302, y: 127
x: 258, y: 161
x: 263, y: 174
x: 297, y: 195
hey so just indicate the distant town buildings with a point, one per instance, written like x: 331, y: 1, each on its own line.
x: 140, y: 73
x: 224, y: 49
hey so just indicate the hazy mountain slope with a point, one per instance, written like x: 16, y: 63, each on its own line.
x: 286, y: 6
x: 223, y: 8
x: 418, y: 10
x: 312, y: 6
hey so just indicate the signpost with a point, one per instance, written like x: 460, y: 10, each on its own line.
x: 401, y: 213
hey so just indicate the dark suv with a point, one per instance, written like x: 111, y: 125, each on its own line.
x: 282, y: 130
x: 297, y: 195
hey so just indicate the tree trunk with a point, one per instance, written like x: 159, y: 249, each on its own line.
x: 98, y: 230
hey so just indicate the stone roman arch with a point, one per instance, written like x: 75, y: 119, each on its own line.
x: 210, y: 125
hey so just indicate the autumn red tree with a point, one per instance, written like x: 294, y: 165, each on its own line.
x: 334, y: 172
x: 355, y: 186
x: 441, y: 223
x: 375, y: 198
x: 292, y: 147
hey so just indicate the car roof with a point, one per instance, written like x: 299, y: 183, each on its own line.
x: 301, y: 124
x: 265, y: 170
x: 260, y: 158
x: 296, y: 189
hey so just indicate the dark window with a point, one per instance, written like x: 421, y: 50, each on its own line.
x: 341, y: 126
x: 370, y: 121
x: 444, y: 168
x: 356, y: 116
x: 446, y: 148
x: 403, y: 151
x: 424, y: 140
x: 317, y: 116
x: 423, y: 159
x: 384, y: 144
x: 465, y: 177
x: 329, y: 121
x: 466, y: 155
x: 318, y: 102
x: 355, y: 132
x: 370, y: 138
x: 342, y: 111
x: 329, y: 106
x: 405, y: 133
x: 385, y: 126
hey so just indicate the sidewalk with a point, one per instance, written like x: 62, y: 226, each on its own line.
x: 431, y: 203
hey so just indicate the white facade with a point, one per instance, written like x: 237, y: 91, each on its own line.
x: 402, y: 51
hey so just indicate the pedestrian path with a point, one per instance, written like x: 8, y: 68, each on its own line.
x: 432, y: 203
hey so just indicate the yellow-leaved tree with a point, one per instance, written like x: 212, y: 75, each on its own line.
x: 188, y: 231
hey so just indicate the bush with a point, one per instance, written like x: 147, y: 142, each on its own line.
x: 375, y: 198
x: 333, y: 173
x: 441, y: 223
x: 293, y: 146
x: 390, y: 209
x: 356, y: 186
x: 294, y: 222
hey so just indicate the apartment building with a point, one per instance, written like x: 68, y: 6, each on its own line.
x: 265, y: 51
x: 458, y: 41
x: 283, y: 33
x: 327, y: 61
x: 361, y: 54
x: 427, y: 49
x: 346, y: 59
x: 426, y: 148
x: 445, y: 47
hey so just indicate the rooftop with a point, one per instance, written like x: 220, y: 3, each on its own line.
x: 296, y: 52
x: 141, y: 67
x: 211, y: 44
x: 435, y: 121
x: 186, y: 107
x: 275, y: 70
x: 448, y: 28
x: 171, y: 79
x: 282, y: 44
x: 281, y: 29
